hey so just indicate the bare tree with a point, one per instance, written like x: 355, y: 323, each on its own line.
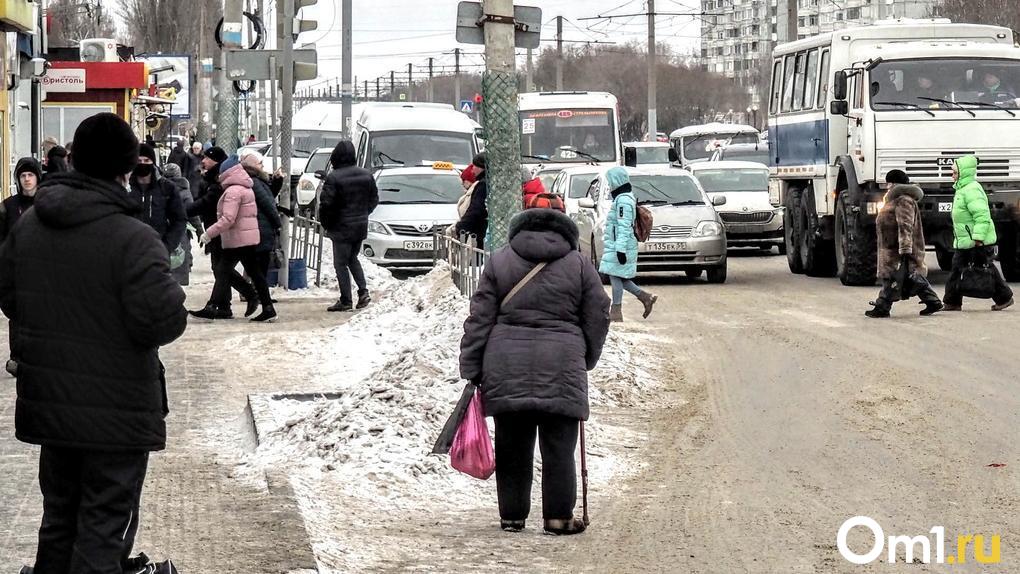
x: 999, y: 12
x: 169, y: 26
x: 77, y: 20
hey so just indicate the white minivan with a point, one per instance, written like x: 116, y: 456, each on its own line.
x: 389, y: 135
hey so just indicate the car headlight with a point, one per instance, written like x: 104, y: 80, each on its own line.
x: 306, y: 185
x: 376, y: 227
x: 708, y: 229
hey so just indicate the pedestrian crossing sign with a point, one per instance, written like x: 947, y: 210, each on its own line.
x: 467, y: 106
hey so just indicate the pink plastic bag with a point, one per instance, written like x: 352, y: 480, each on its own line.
x: 472, y: 449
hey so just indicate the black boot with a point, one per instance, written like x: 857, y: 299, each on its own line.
x: 363, y: 300
x: 253, y: 305
x: 931, y: 307
x: 268, y: 315
x: 879, y: 312
x: 207, y: 312
x: 512, y: 525
x: 565, y: 527
x: 339, y: 306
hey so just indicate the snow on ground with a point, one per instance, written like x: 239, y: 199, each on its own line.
x: 392, y: 375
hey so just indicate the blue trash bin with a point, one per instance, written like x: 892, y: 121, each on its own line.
x: 297, y: 274
x: 273, y: 277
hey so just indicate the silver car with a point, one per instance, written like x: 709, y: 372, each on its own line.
x: 750, y: 218
x: 687, y: 234
x: 414, y: 203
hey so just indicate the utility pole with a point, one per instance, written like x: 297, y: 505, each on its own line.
x: 430, y: 97
x: 204, y: 93
x: 559, y: 53
x: 410, y: 82
x: 456, y: 77
x: 347, y: 65
x: 652, y: 65
x: 260, y: 94
x: 529, y: 77
x: 226, y: 118
x: 499, y: 90
x: 786, y: 21
x: 393, y: 86
x: 378, y: 91
x: 364, y: 96
x: 286, y: 127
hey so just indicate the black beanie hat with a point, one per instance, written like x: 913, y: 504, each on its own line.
x: 105, y: 147
x: 479, y: 160
x: 216, y: 154
x: 145, y: 150
x: 897, y: 176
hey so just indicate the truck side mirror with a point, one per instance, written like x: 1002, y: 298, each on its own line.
x: 630, y: 156
x: 839, y: 85
x: 674, y: 157
x: 839, y: 108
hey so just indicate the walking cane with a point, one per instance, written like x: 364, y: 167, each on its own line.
x: 584, y: 479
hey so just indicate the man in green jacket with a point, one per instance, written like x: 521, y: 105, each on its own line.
x: 974, y: 235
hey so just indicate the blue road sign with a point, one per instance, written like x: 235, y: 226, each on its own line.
x: 467, y: 106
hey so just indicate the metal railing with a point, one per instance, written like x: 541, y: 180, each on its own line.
x: 465, y: 259
x: 306, y: 238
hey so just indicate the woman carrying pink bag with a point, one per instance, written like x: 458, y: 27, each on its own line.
x: 538, y: 322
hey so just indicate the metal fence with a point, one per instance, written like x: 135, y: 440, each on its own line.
x: 306, y: 238
x: 466, y: 261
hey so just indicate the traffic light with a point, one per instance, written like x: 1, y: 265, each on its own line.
x: 287, y: 21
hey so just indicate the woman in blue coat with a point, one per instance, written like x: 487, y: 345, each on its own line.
x: 620, y: 245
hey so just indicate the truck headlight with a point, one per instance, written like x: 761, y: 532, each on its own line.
x: 379, y: 228
x: 708, y: 229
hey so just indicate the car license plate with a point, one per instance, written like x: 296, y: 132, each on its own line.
x: 418, y: 245
x: 945, y: 207
x: 665, y: 246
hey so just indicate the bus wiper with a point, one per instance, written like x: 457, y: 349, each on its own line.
x: 940, y: 100
x: 990, y: 105
x: 538, y: 157
x: 381, y: 154
x: 906, y: 104
x: 587, y: 155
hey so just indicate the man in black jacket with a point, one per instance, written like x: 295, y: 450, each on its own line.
x: 27, y: 174
x: 475, y: 220
x: 90, y: 288
x: 349, y: 196
x: 161, y: 204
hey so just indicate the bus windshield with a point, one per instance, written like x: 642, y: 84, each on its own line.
x: 307, y: 141
x: 416, y: 148
x: 946, y: 84
x: 578, y: 135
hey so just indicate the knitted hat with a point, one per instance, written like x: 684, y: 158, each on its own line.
x: 469, y: 174
x: 216, y: 154
x: 526, y: 175
x: 105, y: 147
x: 146, y: 150
x: 172, y: 170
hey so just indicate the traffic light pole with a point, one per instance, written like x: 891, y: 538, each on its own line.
x: 226, y: 117
x: 286, y: 140
x: 346, y: 67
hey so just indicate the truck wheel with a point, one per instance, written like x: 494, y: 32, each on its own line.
x: 1009, y: 256
x: 816, y: 255
x: 791, y: 239
x: 945, y: 258
x: 782, y: 248
x: 717, y: 274
x: 856, y: 248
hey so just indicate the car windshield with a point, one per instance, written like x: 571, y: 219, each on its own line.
x: 665, y: 189
x: 420, y: 188
x: 702, y: 146
x: 412, y: 148
x: 579, y: 185
x: 757, y: 154
x: 718, y: 180
x: 576, y: 135
x: 647, y: 155
x: 319, y: 161
x: 307, y: 141
x: 946, y: 84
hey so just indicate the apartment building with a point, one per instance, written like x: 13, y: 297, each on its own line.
x: 736, y: 35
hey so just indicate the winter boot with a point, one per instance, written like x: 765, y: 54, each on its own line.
x: 208, y: 312
x: 363, y: 301
x: 511, y: 525
x: 931, y: 307
x: 648, y: 300
x: 564, y: 527
x: 340, y: 306
x: 879, y: 312
x: 268, y: 315
x: 136, y: 564
x: 1003, y: 307
x: 224, y: 312
x: 165, y: 567
x: 616, y: 314
x: 253, y: 305
x: 25, y: 570
x: 948, y: 307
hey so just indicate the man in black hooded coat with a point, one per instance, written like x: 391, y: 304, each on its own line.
x: 89, y: 286
x: 349, y: 195
x: 16, y: 205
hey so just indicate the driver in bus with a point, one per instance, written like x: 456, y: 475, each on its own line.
x: 591, y: 144
x: 993, y: 90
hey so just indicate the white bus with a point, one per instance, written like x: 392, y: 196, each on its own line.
x: 701, y: 142
x: 846, y: 107
x: 563, y: 129
x: 412, y: 135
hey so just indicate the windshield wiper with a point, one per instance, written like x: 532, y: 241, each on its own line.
x: 990, y: 105
x: 940, y: 100
x: 390, y: 189
x: 587, y: 155
x: 907, y: 104
x: 653, y: 202
x: 689, y: 202
x: 538, y: 157
x: 381, y: 154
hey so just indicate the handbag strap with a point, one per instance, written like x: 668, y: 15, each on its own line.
x: 520, y: 284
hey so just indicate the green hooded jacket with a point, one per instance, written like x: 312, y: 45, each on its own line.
x: 972, y: 220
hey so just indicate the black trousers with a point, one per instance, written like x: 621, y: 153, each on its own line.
x: 515, y: 460
x: 977, y: 256
x: 233, y: 279
x: 225, y: 269
x: 345, y: 261
x: 919, y: 287
x: 90, y: 509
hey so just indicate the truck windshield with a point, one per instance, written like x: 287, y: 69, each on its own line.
x: 946, y: 84
x: 568, y: 135
x: 666, y: 189
x: 702, y: 146
x: 416, y: 148
x: 719, y: 180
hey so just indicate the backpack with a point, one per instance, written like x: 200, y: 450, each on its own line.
x: 643, y: 224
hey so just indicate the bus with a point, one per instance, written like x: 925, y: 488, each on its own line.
x: 413, y: 135
x: 700, y: 142
x: 846, y: 107
x: 563, y: 129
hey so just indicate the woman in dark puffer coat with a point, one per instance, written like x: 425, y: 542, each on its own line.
x: 531, y: 360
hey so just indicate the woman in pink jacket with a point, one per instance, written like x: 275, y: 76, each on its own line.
x: 238, y: 226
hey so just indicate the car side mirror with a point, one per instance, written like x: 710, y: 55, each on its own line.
x: 321, y: 174
x: 674, y: 157
x: 719, y: 200
x: 839, y: 108
x: 586, y: 203
x: 630, y: 157
x: 839, y: 85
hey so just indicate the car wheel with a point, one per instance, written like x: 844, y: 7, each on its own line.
x: 694, y: 273
x: 717, y: 274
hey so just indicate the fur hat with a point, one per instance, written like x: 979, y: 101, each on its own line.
x: 105, y: 147
x: 897, y: 176
x: 545, y: 220
x: 216, y: 154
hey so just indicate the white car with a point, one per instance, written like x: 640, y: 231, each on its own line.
x: 270, y: 164
x: 310, y: 181
x: 750, y: 218
x: 687, y: 234
x: 572, y: 185
x: 651, y: 153
x: 414, y: 203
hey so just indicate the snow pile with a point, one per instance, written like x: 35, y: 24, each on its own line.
x: 378, y: 429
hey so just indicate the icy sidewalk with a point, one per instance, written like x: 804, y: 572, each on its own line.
x: 358, y: 456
